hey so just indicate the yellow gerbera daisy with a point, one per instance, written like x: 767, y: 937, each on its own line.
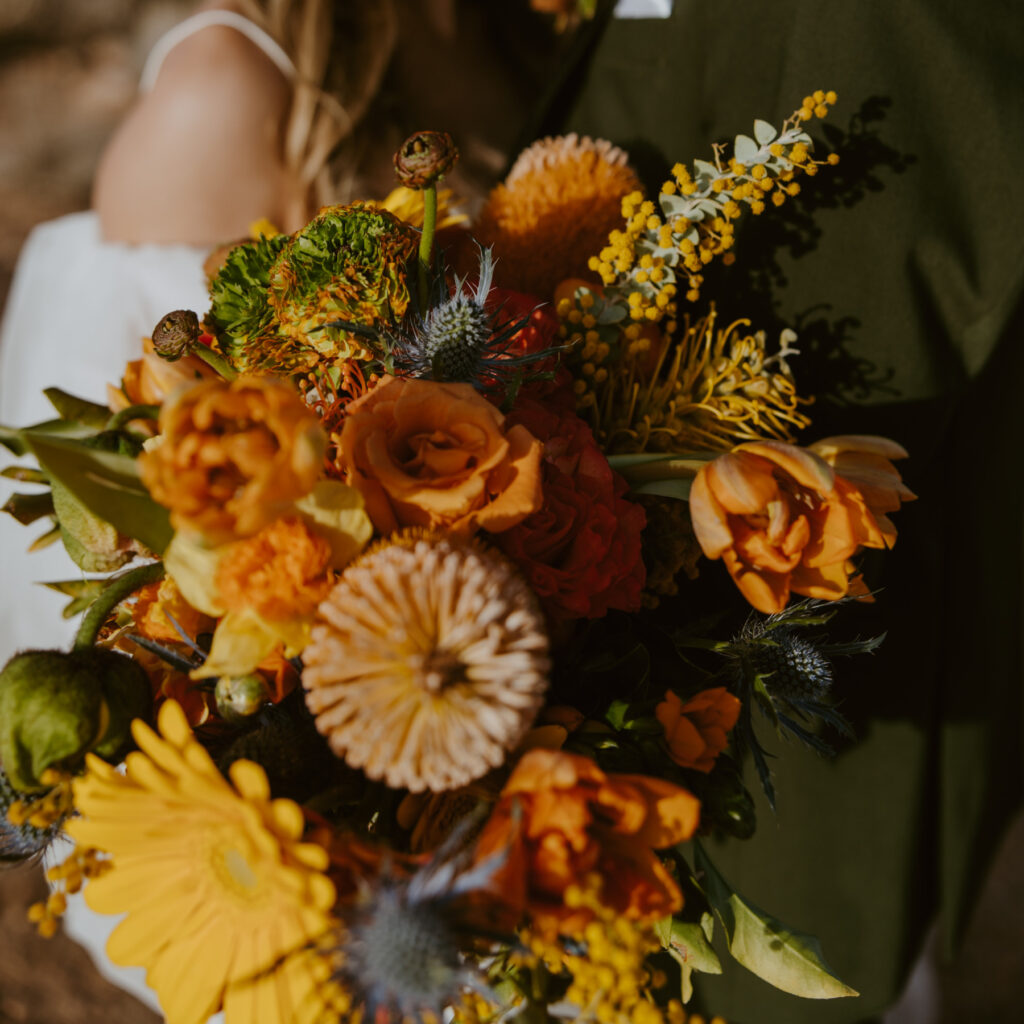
x: 216, y: 884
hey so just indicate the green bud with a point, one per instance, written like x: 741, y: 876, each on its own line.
x: 240, y: 697
x: 56, y: 706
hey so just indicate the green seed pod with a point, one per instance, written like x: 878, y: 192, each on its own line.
x: 240, y: 697
x: 56, y: 706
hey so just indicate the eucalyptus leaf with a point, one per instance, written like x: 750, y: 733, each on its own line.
x: 788, y: 959
x: 107, y: 484
x: 27, y: 508
x: 764, y: 132
x: 745, y: 149
x: 702, y: 167
x: 78, y: 410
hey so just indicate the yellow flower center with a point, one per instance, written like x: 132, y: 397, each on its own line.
x: 233, y: 869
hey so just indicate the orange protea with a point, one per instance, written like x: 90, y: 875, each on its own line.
x: 429, y: 663
x: 782, y: 520
x: 561, y: 818
x: 555, y: 210
x: 698, y: 731
x: 233, y: 456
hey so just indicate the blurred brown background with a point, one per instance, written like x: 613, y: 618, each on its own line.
x: 68, y: 72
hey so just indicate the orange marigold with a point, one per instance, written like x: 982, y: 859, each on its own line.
x: 554, y: 211
x: 561, y: 818
x: 233, y: 456
x: 281, y: 573
x: 698, y: 731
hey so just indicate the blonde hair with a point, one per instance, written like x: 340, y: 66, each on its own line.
x: 341, y: 50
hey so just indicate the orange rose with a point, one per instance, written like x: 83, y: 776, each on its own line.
x: 697, y: 732
x: 425, y: 453
x: 781, y: 520
x: 560, y: 818
x: 149, y: 380
x: 233, y: 456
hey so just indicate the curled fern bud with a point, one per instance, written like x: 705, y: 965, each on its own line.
x: 176, y: 334
x: 423, y: 158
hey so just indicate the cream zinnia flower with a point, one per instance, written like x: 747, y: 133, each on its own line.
x: 429, y: 664
x: 217, y: 887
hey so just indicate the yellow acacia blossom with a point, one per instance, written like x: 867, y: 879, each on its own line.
x: 215, y: 881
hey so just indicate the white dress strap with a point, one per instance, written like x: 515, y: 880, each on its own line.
x: 206, y: 19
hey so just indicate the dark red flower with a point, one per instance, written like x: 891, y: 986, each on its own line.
x: 581, y: 551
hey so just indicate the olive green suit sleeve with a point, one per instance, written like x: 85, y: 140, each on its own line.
x: 902, y: 269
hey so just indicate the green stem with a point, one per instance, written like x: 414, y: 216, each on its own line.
x: 215, y: 361
x: 133, y: 412
x: 427, y: 243
x: 118, y: 590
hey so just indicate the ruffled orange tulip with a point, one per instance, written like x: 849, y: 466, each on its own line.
x: 561, y: 818
x: 782, y: 520
x: 698, y: 731
x: 865, y: 461
x: 425, y: 453
x: 233, y: 457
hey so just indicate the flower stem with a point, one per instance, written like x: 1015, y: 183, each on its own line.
x: 427, y: 243
x: 215, y: 361
x: 118, y: 590
x: 132, y: 412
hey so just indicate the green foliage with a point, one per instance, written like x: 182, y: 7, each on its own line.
x: 788, y: 959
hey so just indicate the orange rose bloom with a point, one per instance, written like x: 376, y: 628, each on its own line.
x: 233, y: 456
x: 149, y: 380
x: 560, y: 818
x: 697, y: 732
x: 426, y: 453
x: 782, y: 521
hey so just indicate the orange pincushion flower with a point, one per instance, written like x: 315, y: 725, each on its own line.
x: 233, y: 456
x: 698, y: 731
x: 554, y: 211
x: 279, y: 574
x: 782, y: 521
x: 432, y: 454
x: 561, y: 818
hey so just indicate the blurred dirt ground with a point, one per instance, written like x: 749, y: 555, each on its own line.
x: 68, y: 71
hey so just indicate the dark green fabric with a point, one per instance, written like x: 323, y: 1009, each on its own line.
x: 902, y: 269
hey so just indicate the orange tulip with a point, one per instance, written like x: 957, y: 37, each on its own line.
x: 560, y: 818
x: 432, y: 454
x: 782, y: 520
x: 698, y: 731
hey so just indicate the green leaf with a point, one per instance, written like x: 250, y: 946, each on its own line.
x: 764, y: 132
x: 11, y: 439
x: 81, y: 592
x: 24, y: 475
x: 679, y: 489
x: 107, y: 484
x: 788, y: 959
x: 44, y: 540
x: 745, y: 149
x: 27, y: 508
x: 78, y: 410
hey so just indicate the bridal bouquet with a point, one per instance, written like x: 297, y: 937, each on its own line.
x: 406, y: 684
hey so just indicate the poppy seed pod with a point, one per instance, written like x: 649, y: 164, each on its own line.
x: 424, y: 158
x: 176, y: 334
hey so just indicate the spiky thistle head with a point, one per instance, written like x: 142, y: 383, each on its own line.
x: 797, y: 667
x: 462, y: 337
x: 402, y: 952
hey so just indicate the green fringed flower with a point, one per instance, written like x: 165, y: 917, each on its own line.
x: 349, y: 263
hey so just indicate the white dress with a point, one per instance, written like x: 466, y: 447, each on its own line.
x: 77, y: 311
